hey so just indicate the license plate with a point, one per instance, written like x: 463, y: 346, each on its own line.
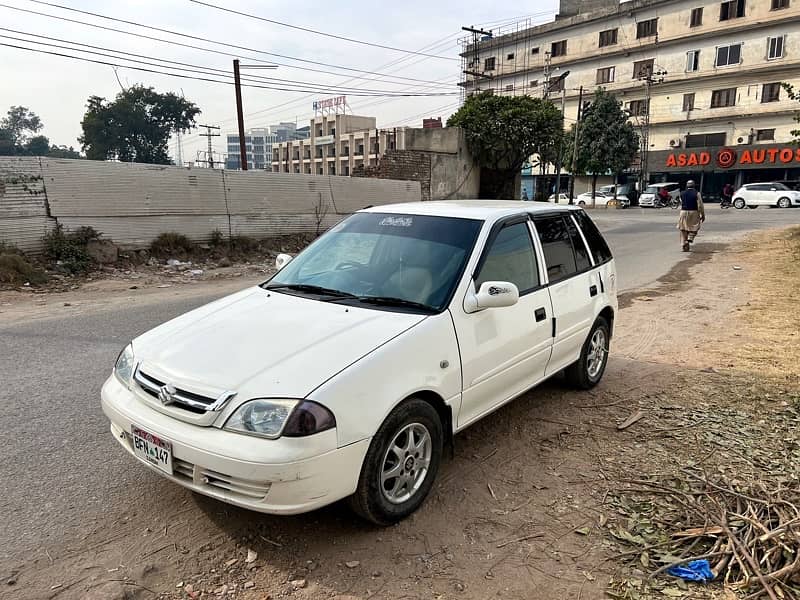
x: 152, y: 449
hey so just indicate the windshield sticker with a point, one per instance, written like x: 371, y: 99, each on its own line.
x: 397, y: 222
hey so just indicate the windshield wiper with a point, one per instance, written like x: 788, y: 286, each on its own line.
x: 311, y: 289
x: 390, y: 301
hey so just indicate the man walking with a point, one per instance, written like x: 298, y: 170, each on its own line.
x: 692, y: 215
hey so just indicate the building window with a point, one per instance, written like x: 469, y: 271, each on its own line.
x: 765, y: 135
x: 559, y: 48
x: 645, y: 29
x: 775, y: 47
x: 705, y: 140
x: 319, y: 170
x: 510, y: 56
x: 488, y: 64
x: 535, y: 50
x: 534, y: 83
x: 510, y: 87
x: 692, y: 61
x: 729, y: 55
x: 776, y: 4
x: 770, y: 92
x: 557, y: 85
x: 605, y: 75
x: 688, y: 102
x: 637, y: 108
x: 722, y: 98
x: 731, y: 9
x: 643, y: 68
x: 608, y: 37
x: 347, y: 169
x: 697, y: 17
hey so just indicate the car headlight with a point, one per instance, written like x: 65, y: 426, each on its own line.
x: 275, y: 418
x: 123, y: 369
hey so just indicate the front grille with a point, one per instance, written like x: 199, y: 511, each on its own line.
x: 232, y: 486
x: 182, y: 398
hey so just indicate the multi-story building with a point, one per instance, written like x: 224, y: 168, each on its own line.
x: 702, y: 79
x: 258, y: 143
x: 337, y: 145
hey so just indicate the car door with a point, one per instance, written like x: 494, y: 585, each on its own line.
x: 573, y: 286
x: 759, y: 195
x: 504, y: 351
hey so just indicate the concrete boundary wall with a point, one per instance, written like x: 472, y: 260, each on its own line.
x: 132, y: 203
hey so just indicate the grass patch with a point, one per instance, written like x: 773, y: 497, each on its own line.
x: 68, y: 249
x: 16, y: 269
x: 172, y: 245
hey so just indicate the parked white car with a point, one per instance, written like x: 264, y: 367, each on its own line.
x: 648, y: 197
x: 602, y: 199
x: 765, y: 194
x: 348, y: 372
x: 562, y: 199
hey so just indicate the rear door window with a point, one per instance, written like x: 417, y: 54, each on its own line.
x: 559, y: 256
x: 511, y: 258
x: 582, y: 260
x: 597, y: 245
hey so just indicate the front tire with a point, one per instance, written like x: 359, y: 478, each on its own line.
x: 588, y: 370
x: 401, y: 464
x: 739, y: 203
x: 784, y: 203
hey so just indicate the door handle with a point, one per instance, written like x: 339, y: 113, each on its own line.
x: 540, y: 314
x: 593, y: 291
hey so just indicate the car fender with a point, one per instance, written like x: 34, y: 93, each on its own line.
x: 423, y: 359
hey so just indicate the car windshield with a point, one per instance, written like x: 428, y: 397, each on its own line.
x: 653, y: 189
x: 384, y: 260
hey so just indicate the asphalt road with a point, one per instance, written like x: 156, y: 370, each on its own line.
x: 61, y: 472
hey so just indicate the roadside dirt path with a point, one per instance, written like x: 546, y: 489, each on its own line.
x: 527, y: 508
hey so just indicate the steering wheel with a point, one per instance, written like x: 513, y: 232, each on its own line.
x: 348, y: 265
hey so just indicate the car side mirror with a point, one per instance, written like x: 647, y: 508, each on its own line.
x: 282, y: 260
x: 773, y: 189
x: 492, y: 294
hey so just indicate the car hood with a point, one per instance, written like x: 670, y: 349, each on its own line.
x: 265, y: 343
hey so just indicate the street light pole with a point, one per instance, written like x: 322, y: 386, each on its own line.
x: 575, y: 147
x: 240, y: 115
x: 560, y: 148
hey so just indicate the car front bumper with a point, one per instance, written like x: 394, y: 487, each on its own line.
x: 284, y: 476
x: 647, y: 201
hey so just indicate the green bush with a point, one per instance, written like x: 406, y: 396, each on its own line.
x: 217, y: 239
x: 171, y: 245
x: 68, y: 249
x: 242, y: 244
x: 15, y: 268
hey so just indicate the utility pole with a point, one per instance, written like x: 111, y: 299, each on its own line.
x: 650, y: 79
x: 178, y: 149
x: 559, y: 149
x: 240, y: 115
x: 475, y: 63
x: 547, y: 62
x: 575, y: 147
x: 209, y: 135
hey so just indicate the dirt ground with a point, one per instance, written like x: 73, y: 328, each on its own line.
x: 533, y: 504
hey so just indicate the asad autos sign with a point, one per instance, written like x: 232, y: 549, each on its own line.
x: 751, y: 157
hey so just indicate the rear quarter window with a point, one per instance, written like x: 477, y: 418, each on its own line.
x: 597, y: 244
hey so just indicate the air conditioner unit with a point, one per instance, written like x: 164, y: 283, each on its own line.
x: 675, y: 143
x: 740, y: 140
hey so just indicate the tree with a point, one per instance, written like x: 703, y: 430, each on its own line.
x: 607, y: 141
x: 502, y: 132
x: 136, y: 126
x: 16, y: 128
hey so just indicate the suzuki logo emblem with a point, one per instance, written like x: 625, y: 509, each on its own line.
x: 167, y: 394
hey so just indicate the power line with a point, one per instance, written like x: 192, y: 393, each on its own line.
x: 183, y: 66
x: 208, y: 134
x: 206, y: 79
x: 193, y: 37
x: 315, y: 32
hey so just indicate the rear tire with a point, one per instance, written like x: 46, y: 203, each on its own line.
x: 401, y: 464
x: 752, y: 207
x: 588, y: 370
x: 784, y: 203
x: 739, y: 203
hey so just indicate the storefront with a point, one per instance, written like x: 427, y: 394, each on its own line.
x: 712, y: 168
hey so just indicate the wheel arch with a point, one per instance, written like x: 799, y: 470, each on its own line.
x: 608, y: 314
x: 444, y: 411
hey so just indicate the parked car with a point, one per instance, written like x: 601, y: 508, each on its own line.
x: 648, y: 197
x: 348, y: 372
x: 765, y: 194
x: 602, y: 199
x: 562, y: 199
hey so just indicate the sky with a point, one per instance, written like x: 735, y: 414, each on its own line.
x: 57, y: 88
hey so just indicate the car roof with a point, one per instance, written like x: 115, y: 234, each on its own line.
x: 484, y: 210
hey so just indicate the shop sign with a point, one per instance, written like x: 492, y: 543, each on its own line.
x: 728, y: 158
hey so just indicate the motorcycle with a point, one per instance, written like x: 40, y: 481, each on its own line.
x: 726, y: 202
x: 670, y: 202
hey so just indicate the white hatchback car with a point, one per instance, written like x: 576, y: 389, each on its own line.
x: 765, y: 194
x: 602, y: 199
x: 347, y: 373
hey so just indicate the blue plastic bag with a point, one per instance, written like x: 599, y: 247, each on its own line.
x: 697, y: 570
